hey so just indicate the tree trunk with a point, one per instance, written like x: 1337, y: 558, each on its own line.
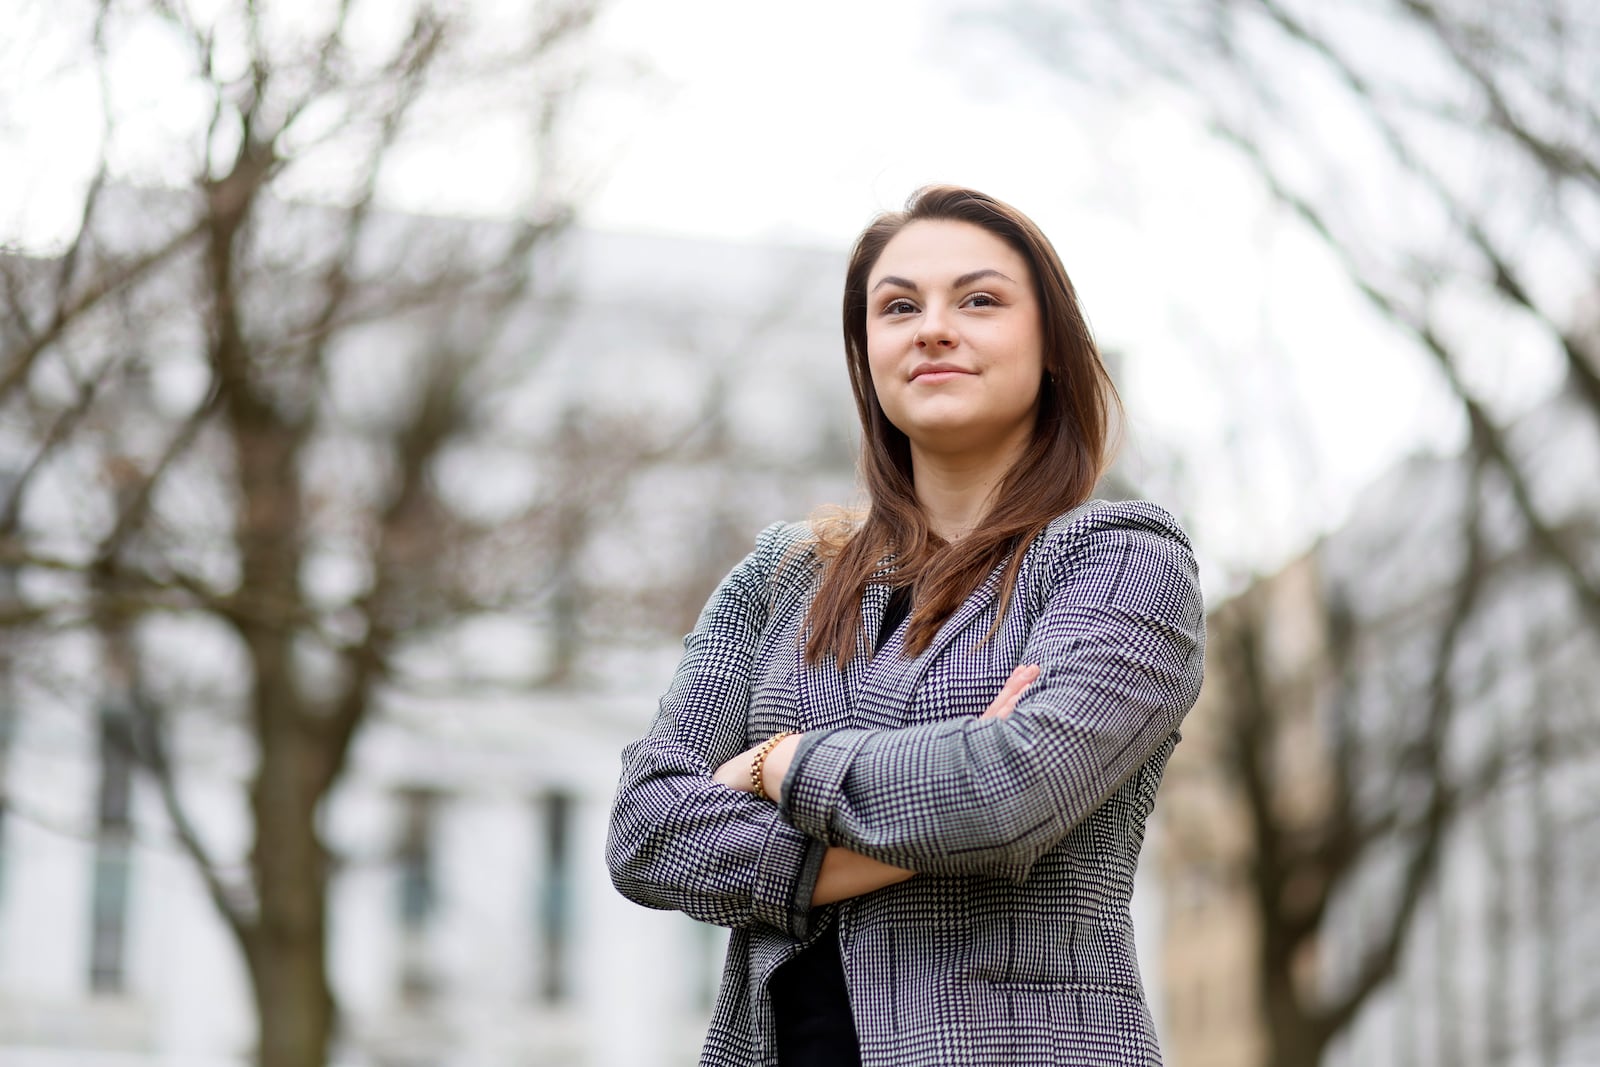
x: 288, y: 967
x: 1295, y: 1038
x: 289, y: 862
x: 285, y: 946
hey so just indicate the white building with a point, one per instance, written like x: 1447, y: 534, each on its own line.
x: 1499, y: 964
x: 473, y: 921
x: 1344, y: 694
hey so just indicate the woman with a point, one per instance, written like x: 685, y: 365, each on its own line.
x: 909, y: 759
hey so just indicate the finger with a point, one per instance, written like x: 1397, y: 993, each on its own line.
x: 1030, y: 674
x: 1004, y: 710
x: 1024, y: 674
x: 1011, y: 692
x: 1013, y: 685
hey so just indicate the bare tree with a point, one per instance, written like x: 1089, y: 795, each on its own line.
x: 1447, y: 155
x: 1352, y: 732
x: 257, y: 418
x: 1462, y: 188
x: 1311, y: 829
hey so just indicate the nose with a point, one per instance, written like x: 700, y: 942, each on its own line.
x: 935, y: 330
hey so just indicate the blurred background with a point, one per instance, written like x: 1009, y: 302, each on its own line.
x: 384, y: 384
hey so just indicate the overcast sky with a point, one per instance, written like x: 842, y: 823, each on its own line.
x: 798, y: 122
x: 754, y: 122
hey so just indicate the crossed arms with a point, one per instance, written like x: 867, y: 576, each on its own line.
x: 1118, y: 641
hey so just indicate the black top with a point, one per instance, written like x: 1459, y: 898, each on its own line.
x: 810, y: 1004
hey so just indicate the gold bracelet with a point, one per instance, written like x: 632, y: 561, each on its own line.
x: 757, y: 783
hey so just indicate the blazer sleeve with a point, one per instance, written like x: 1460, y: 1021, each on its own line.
x: 1120, y: 641
x: 679, y: 840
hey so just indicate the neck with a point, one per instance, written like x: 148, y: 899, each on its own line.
x: 957, y: 490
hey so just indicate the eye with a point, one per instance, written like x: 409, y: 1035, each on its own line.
x: 982, y: 300
x: 901, y: 306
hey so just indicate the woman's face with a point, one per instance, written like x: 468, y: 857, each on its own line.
x: 954, y: 340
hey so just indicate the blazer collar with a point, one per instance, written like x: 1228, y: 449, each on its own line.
x: 827, y: 694
x: 873, y: 690
x: 891, y: 679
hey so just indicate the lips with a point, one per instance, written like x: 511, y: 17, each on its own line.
x: 937, y: 371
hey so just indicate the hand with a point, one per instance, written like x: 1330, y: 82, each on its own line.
x: 735, y: 773
x: 1011, y: 692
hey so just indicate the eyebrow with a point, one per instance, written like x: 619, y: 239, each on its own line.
x: 966, y: 279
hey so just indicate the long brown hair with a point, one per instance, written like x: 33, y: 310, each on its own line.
x: 1057, y: 471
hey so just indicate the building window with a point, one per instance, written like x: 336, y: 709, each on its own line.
x: 109, y: 918
x: 554, y: 907
x: 418, y: 889
x: 8, y: 694
x: 109, y: 897
x: 8, y: 717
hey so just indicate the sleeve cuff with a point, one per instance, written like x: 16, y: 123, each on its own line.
x: 815, y: 776
x: 786, y: 877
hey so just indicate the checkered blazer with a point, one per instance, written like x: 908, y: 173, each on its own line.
x: 1014, y: 943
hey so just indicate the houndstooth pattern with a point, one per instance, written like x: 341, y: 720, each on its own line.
x: 1014, y: 943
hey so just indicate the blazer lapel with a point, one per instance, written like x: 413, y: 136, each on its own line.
x: 828, y: 695
x: 890, y: 681
x: 891, y: 690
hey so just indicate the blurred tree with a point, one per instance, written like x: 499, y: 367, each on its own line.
x: 1323, y: 782
x: 1447, y: 154
x: 246, y: 436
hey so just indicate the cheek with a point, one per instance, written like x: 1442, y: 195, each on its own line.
x: 1026, y: 378
x: 879, y: 365
x: 1030, y: 359
x: 890, y: 399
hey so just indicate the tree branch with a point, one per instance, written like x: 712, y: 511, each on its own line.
x: 1427, y: 754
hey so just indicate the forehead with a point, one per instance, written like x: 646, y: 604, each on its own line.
x: 937, y: 250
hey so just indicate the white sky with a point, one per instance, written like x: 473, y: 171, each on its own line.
x: 1240, y: 338
x: 1246, y: 358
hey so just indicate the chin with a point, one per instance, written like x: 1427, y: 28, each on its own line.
x: 957, y: 434
x: 955, y: 438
